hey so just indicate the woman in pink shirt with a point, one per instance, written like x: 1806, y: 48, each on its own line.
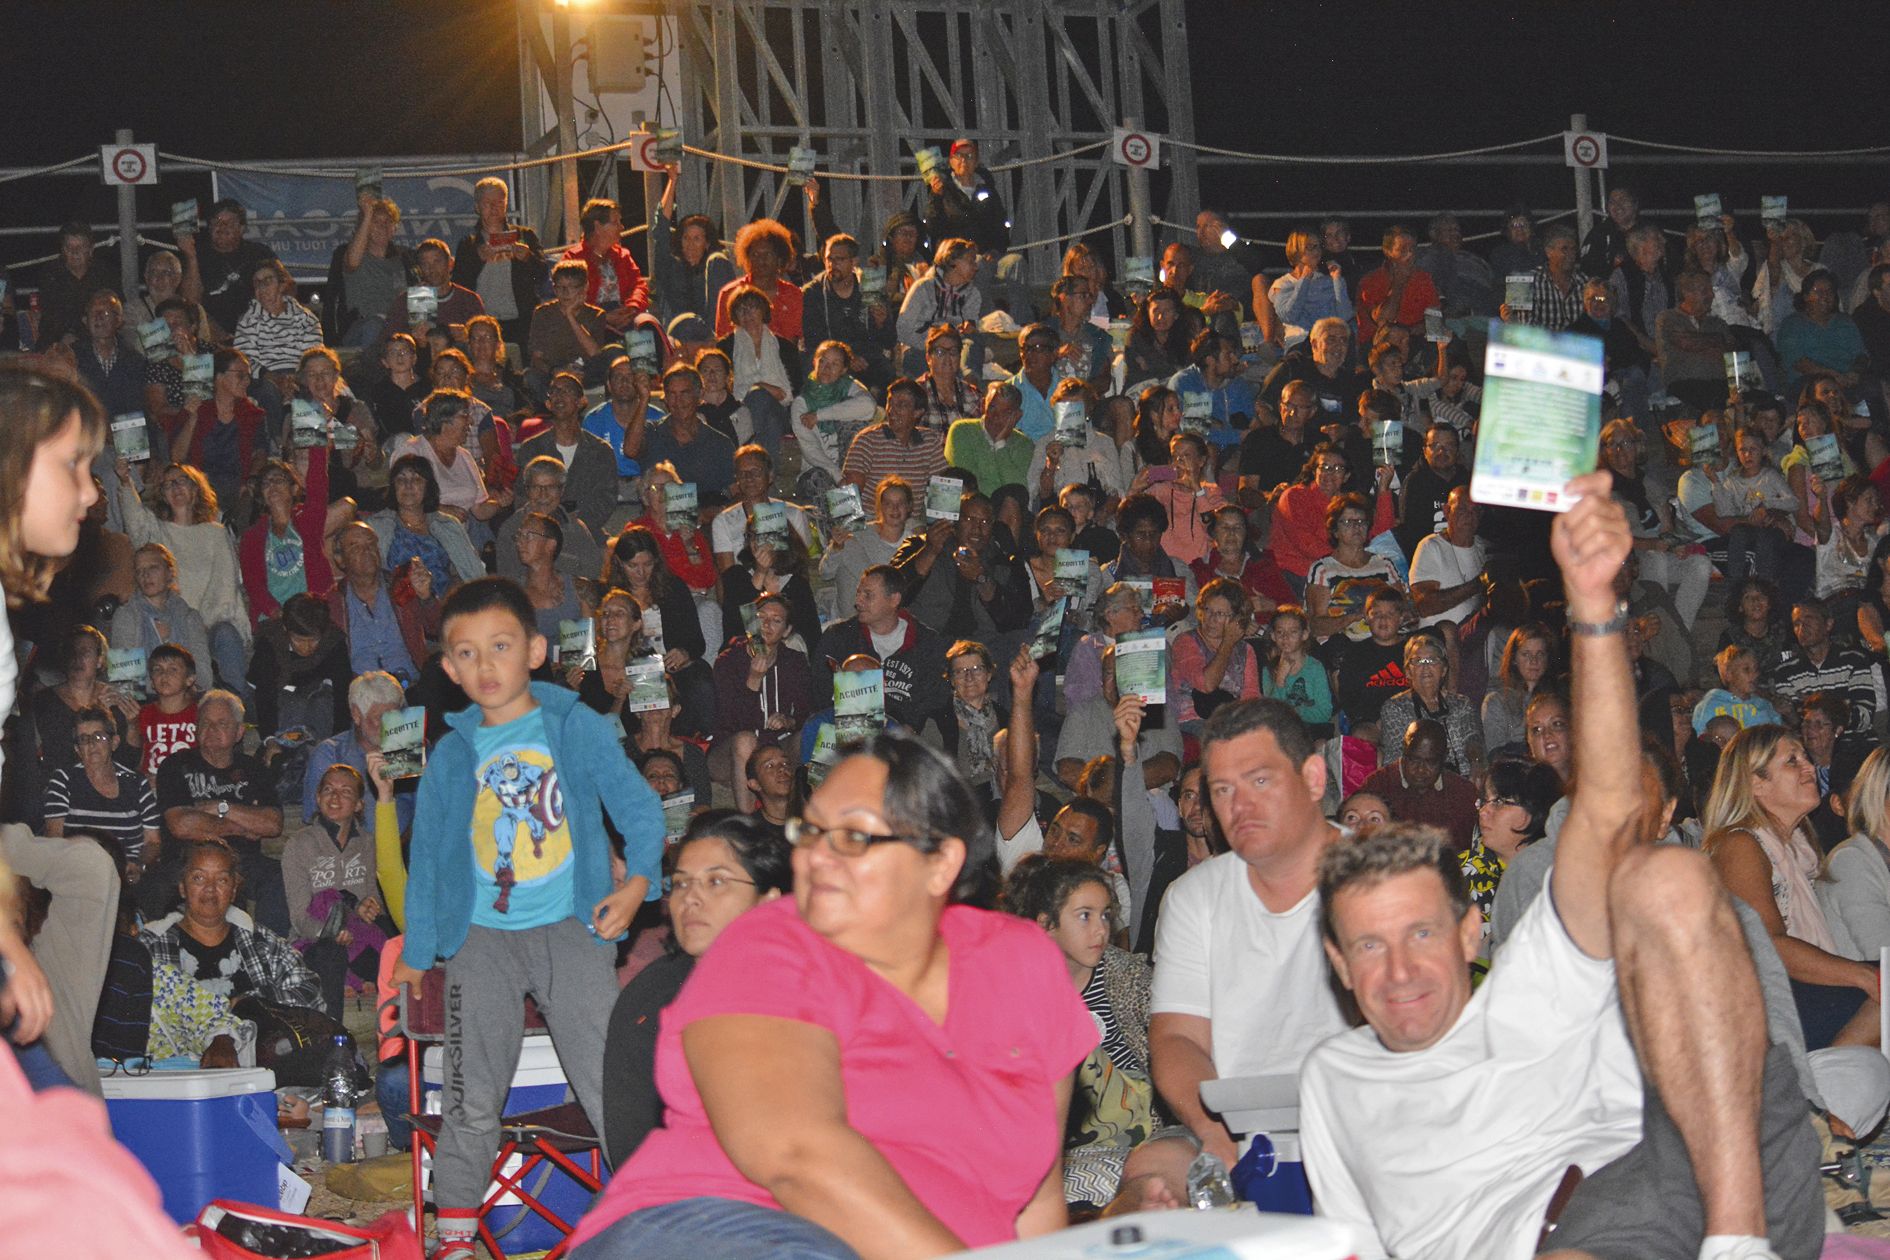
x: 871, y: 1068
x: 1188, y: 499
x: 1213, y: 662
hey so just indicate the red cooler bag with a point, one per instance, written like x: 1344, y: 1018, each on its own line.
x: 243, y: 1231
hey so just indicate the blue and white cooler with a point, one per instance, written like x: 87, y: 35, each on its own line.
x: 202, y: 1134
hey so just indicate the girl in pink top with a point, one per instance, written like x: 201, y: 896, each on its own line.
x: 1188, y: 499
x: 1215, y: 656
x: 871, y: 1068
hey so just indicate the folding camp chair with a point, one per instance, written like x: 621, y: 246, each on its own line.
x: 548, y: 1140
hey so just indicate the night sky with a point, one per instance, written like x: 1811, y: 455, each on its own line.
x: 300, y: 78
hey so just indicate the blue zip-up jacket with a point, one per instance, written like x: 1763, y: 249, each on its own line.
x: 593, y: 771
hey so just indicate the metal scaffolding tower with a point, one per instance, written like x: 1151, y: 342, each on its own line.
x: 865, y: 83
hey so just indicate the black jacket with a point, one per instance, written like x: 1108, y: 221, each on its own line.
x: 947, y: 602
x: 978, y: 217
x: 916, y: 688
x: 528, y: 275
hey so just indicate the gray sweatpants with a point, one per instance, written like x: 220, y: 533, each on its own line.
x: 575, y: 984
x: 75, y: 944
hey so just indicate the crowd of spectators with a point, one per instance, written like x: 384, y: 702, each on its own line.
x: 750, y: 469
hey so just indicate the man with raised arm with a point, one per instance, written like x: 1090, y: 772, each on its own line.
x: 1458, y: 1125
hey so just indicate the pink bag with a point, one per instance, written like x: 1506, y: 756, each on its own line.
x: 1357, y: 760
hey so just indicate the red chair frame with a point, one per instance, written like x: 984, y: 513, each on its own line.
x: 559, y: 1136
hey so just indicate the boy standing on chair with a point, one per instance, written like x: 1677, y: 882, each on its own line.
x: 512, y: 882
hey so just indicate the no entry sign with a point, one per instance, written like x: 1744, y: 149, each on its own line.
x: 1138, y: 149
x: 642, y: 154
x: 128, y: 163
x: 1585, y: 150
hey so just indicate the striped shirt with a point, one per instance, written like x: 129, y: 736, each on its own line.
x: 876, y: 454
x: 1846, y: 673
x: 275, y: 343
x: 1554, y: 309
x: 120, y: 821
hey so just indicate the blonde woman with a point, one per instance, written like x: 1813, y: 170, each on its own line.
x: 186, y: 521
x: 1855, y: 891
x: 1757, y: 839
x: 1790, y: 248
x: 1313, y: 290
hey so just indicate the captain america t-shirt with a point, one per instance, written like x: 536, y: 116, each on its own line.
x: 522, y: 871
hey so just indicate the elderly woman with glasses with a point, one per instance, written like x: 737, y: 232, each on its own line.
x: 446, y: 415
x: 1427, y: 666
x: 726, y: 865
x: 1512, y: 811
x: 871, y: 1067
x: 1301, y: 532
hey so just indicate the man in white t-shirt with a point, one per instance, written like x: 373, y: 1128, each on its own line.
x: 1241, y: 987
x: 754, y: 474
x: 1459, y: 1125
x: 1447, y: 570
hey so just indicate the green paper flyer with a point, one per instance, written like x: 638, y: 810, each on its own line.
x: 859, y: 705
x: 1541, y: 421
x: 1142, y: 665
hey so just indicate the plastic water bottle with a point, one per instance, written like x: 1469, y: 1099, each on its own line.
x: 1208, y: 1186
x: 338, y: 1102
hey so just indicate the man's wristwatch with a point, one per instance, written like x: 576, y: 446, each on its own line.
x: 223, y: 809
x: 1597, y: 629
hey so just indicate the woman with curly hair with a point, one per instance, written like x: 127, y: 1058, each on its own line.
x: 763, y: 250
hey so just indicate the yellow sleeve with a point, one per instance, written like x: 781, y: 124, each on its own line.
x: 388, y: 868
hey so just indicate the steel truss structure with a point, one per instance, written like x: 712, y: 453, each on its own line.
x: 865, y: 83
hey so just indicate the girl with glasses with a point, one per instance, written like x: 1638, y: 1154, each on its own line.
x: 726, y: 865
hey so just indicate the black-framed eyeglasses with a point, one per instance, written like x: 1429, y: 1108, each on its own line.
x: 708, y: 885
x: 846, y: 841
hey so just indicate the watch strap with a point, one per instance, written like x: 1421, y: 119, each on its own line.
x: 1598, y: 629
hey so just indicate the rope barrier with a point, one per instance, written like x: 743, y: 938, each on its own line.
x: 264, y: 168
x: 1254, y: 240
x: 46, y: 258
x: 1124, y: 221
x: 1302, y: 159
x: 754, y: 164
x: 54, y: 169
x: 1313, y: 160
x: 1764, y: 153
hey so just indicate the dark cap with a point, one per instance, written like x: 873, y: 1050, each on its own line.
x: 690, y: 327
